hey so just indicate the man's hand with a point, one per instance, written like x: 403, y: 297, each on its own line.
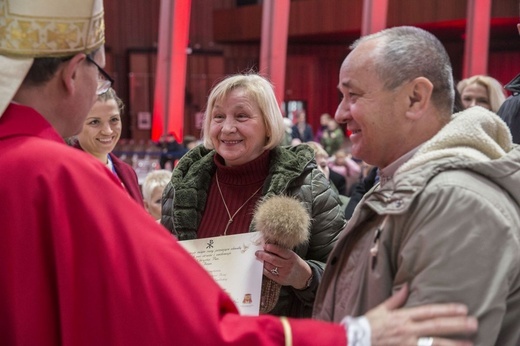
x: 401, y: 327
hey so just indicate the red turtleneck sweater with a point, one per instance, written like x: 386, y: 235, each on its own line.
x: 237, y: 185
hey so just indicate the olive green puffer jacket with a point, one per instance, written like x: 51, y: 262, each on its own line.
x: 292, y: 172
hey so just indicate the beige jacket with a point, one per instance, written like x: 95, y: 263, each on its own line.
x: 448, y: 224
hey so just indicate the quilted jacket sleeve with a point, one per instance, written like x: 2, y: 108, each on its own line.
x: 167, y: 207
x: 328, y: 221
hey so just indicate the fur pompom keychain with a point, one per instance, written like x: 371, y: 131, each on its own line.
x: 282, y: 221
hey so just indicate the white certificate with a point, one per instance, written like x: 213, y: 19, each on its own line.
x: 232, y: 262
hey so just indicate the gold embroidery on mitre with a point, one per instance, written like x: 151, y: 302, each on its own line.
x: 39, y: 36
x: 24, y: 34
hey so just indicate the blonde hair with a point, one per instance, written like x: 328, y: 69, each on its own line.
x: 155, y: 179
x: 259, y: 90
x: 495, y: 90
x: 318, y: 149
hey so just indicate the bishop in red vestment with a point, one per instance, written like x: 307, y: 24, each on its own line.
x: 83, y: 264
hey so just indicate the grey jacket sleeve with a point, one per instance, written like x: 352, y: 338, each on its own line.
x: 443, y: 260
x: 327, y: 222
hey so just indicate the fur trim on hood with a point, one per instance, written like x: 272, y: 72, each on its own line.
x: 475, y: 133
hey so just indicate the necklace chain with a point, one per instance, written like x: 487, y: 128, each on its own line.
x: 231, y: 217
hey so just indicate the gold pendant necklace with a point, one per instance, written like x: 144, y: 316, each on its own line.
x: 231, y: 217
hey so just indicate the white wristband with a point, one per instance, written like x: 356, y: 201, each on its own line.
x: 358, y: 331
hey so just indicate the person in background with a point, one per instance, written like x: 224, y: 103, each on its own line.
x: 333, y: 137
x: 171, y: 151
x: 302, y: 130
x: 215, y: 187
x: 99, y: 136
x: 189, y: 142
x: 81, y: 263
x: 343, y: 164
x: 153, y: 187
x: 510, y: 109
x: 483, y: 91
x: 322, y: 160
x: 287, y: 139
x: 433, y: 168
x: 358, y: 190
x: 324, y: 121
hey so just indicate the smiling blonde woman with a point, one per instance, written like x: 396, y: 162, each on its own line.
x: 215, y: 187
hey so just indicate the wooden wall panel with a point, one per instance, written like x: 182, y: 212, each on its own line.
x: 141, y: 84
x: 317, y: 68
x: 504, y: 8
x: 455, y: 50
x: 307, y: 18
x: 301, y: 82
x: 128, y: 24
x: 407, y: 12
x: 203, y: 72
x: 316, y: 17
x: 325, y: 16
x: 241, y: 58
x: 201, y: 22
x: 238, y: 24
x: 504, y: 65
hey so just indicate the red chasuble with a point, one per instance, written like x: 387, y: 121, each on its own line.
x: 83, y: 264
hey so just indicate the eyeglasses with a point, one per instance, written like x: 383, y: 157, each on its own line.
x: 104, y: 79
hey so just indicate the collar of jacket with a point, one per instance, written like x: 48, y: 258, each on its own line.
x: 514, y: 85
x: 287, y: 164
x: 398, y: 195
x: 192, y: 176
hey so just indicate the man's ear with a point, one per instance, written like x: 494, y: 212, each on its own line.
x: 70, y: 72
x: 419, y: 93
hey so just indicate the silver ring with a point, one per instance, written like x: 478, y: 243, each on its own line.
x: 274, y: 271
x: 425, y: 341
